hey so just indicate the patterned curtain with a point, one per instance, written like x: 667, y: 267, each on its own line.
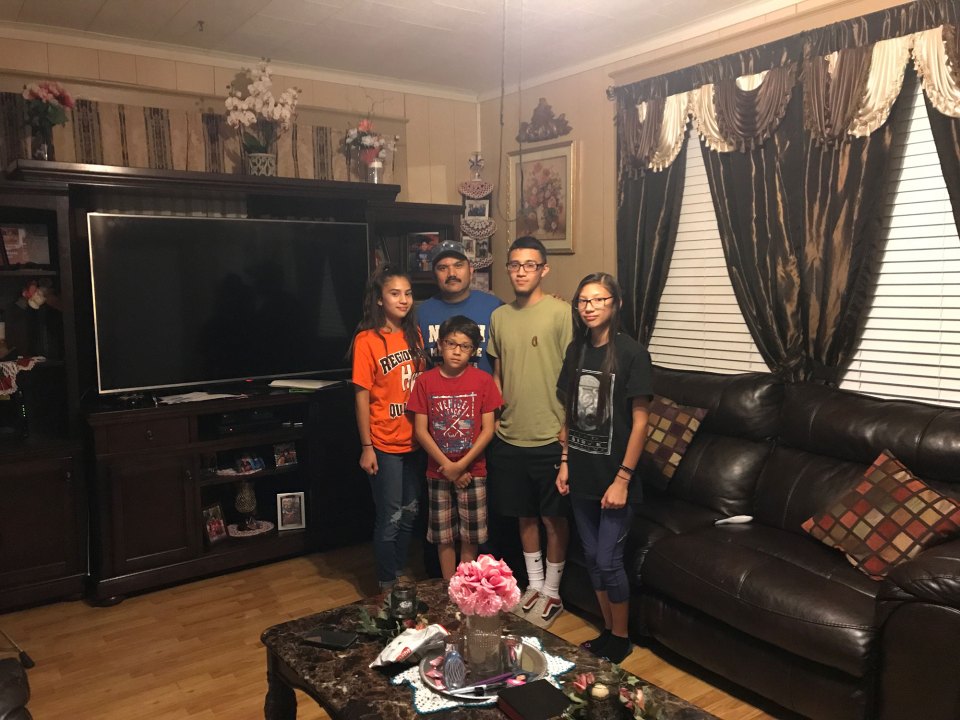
x: 157, y: 138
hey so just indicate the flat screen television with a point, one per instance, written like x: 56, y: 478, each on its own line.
x: 188, y: 301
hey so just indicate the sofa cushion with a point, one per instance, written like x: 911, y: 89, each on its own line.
x: 670, y: 428
x: 774, y: 585
x: 889, y: 517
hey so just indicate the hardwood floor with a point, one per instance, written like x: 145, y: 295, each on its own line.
x: 193, y: 651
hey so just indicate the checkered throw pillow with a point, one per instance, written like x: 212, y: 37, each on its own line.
x: 889, y: 517
x: 670, y: 429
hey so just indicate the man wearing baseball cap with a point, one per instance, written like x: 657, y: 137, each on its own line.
x: 452, y: 270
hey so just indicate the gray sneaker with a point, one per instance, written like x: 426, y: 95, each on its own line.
x: 527, y: 602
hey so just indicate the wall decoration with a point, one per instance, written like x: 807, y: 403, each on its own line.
x: 477, y: 225
x: 542, y: 194
x: 290, y: 511
x: 543, y: 125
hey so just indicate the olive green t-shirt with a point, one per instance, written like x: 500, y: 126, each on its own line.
x: 530, y: 343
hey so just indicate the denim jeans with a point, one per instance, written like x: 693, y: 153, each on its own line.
x: 396, y: 489
x: 603, y: 534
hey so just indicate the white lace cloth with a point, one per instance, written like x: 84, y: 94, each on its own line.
x: 426, y: 701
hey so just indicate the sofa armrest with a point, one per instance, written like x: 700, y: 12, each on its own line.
x: 932, y: 577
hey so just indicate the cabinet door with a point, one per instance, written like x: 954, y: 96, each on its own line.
x: 154, y: 511
x: 40, y: 537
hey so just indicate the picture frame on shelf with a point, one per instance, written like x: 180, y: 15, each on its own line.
x: 291, y: 513
x: 476, y: 208
x: 284, y: 454
x: 25, y: 244
x: 214, y: 527
x: 543, y: 195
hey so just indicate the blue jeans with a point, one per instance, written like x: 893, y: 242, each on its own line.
x: 603, y: 534
x: 396, y: 489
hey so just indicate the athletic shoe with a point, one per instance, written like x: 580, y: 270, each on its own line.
x: 551, y: 608
x: 529, y: 598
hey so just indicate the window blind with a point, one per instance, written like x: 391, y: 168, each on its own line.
x: 699, y: 325
x: 911, y: 343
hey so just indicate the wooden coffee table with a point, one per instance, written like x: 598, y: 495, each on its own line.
x: 344, y: 685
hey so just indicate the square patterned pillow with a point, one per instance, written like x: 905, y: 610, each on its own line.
x: 889, y: 517
x: 670, y: 429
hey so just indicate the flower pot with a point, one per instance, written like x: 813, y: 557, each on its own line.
x: 481, y: 645
x: 262, y: 164
x: 41, y: 143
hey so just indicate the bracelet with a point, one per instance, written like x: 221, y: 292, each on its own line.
x: 366, y: 444
x: 628, y: 470
x: 563, y: 460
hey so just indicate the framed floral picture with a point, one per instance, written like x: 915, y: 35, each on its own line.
x: 291, y: 514
x: 543, y: 196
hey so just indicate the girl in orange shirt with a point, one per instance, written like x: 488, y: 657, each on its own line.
x: 387, y: 357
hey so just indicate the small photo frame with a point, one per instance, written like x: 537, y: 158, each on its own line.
x: 291, y: 513
x: 284, y: 454
x: 476, y: 208
x: 25, y: 244
x: 214, y: 528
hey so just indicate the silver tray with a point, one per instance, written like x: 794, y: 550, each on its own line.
x: 532, y: 661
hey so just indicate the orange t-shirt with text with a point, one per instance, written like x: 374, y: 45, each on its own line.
x: 389, y: 373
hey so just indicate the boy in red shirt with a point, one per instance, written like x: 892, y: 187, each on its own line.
x: 453, y: 407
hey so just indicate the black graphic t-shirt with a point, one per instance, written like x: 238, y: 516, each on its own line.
x: 597, y: 441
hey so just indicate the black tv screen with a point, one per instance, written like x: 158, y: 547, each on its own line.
x: 182, y: 301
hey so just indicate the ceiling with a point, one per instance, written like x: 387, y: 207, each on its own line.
x: 453, y: 44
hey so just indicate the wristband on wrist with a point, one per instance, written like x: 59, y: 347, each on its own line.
x: 627, y: 470
x: 366, y: 444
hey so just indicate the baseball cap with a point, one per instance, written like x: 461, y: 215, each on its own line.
x: 448, y: 248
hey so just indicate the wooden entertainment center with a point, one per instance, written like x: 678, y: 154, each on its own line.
x: 125, y: 486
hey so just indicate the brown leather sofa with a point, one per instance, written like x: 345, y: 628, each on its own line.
x: 766, y: 605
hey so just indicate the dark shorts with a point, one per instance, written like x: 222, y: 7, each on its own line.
x: 521, y: 481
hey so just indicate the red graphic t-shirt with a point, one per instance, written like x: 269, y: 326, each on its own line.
x: 454, y: 408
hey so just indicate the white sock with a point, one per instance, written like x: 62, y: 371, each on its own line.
x: 551, y: 586
x: 534, y: 563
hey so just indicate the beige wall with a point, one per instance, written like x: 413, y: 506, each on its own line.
x: 582, y: 97
x: 438, y: 134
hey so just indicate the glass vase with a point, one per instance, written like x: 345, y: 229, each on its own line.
x: 41, y: 143
x: 375, y: 171
x: 356, y: 170
x: 481, y: 646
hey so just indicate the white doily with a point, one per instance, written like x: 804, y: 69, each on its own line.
x: 475, y: 189
x: 478, y: 227
x: 426, y: 701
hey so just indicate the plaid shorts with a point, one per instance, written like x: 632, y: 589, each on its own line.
x: 455, y: 513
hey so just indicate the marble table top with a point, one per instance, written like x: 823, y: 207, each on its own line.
x: 348, y: 689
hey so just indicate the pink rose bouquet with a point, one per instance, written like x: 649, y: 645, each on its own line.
x: 484, y: 587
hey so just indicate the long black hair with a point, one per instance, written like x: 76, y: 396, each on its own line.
x: 581, y: 338
x: 374, y: 318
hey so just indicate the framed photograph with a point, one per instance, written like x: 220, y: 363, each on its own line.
x: 290, y: 511
x: 25, y: 244
x: 481, y: 280
x: 543, y: 195
x: 476, y: 208
x: 214, y: 528
x: 284, y: 454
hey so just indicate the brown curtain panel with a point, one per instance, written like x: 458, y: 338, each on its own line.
x: 758, y: 202
x: 845, y: 185
x: 647, y: 221
x: 799, y: 219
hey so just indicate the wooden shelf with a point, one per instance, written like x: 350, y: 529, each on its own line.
x: 212, y: 478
